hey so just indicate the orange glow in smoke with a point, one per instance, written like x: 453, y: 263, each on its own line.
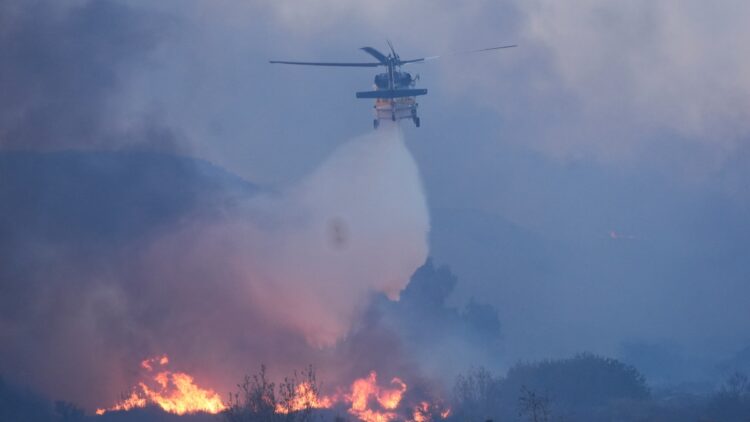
x: 175, y: 392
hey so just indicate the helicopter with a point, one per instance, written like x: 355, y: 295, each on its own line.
x: 394, y: 91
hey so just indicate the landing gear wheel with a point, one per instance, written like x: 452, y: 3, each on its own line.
x: 393, y: 116
x: 375, y: 123
x: 416, y: 121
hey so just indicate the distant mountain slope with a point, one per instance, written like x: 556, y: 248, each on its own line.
x: 71, y: 216
x: 105, y: 196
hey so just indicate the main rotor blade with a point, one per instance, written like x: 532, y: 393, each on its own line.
x: 375, y: 53
x: 418, y: 60
x: 491, y: 48
x: 328, y: 64
x: 392, y: 49
x: 456, y: 53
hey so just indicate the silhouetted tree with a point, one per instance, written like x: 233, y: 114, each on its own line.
x: 585, y: 380
x: 533, y: 406
x: 584, y: 387
x: 737, y: 385
x: 476, y: 396
x: 258, y: 398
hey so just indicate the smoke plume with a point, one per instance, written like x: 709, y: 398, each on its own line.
x: 234, y: 281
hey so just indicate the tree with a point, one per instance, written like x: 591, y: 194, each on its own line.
x: 476, y: 396
x: 737, y: 385
x: 585, y: 380
x: 732, y: 402
x: 534, y: 406
x: 259, y: 400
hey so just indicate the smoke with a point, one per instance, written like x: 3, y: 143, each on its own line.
x: 61, y: 66
x: 308, y: 257
x: 237, y: 280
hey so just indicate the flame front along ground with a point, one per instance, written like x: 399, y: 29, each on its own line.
x: 174, y: 392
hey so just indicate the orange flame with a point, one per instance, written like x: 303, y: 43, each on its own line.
x: 367, y: 401
x: 175, y: 392
x: 305, y: 397
x: 363, y: 389
x: 424, y: 412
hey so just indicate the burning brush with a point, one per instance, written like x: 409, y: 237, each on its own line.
x: 174, y: 392
x: 365, y: 400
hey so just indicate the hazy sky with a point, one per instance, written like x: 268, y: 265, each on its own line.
x: 592, y: 183
x: 613, y: 140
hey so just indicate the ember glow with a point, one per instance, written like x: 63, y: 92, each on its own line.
x: 174, y: 392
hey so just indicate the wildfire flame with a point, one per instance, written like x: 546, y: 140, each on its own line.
x: 366, y: 392
x: 421, y: 412
x: 424, y: 412
x: 175, y: 392
x: 366, y: 400
x: 305, y: 397
x: 363, y: 389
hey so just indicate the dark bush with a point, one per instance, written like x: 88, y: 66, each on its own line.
x: 257, y: 398
x: 585, y: 380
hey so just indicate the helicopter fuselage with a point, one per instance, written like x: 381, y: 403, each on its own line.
x: 400, y: 80
x: 395, y: 96
x: 396, y: 108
